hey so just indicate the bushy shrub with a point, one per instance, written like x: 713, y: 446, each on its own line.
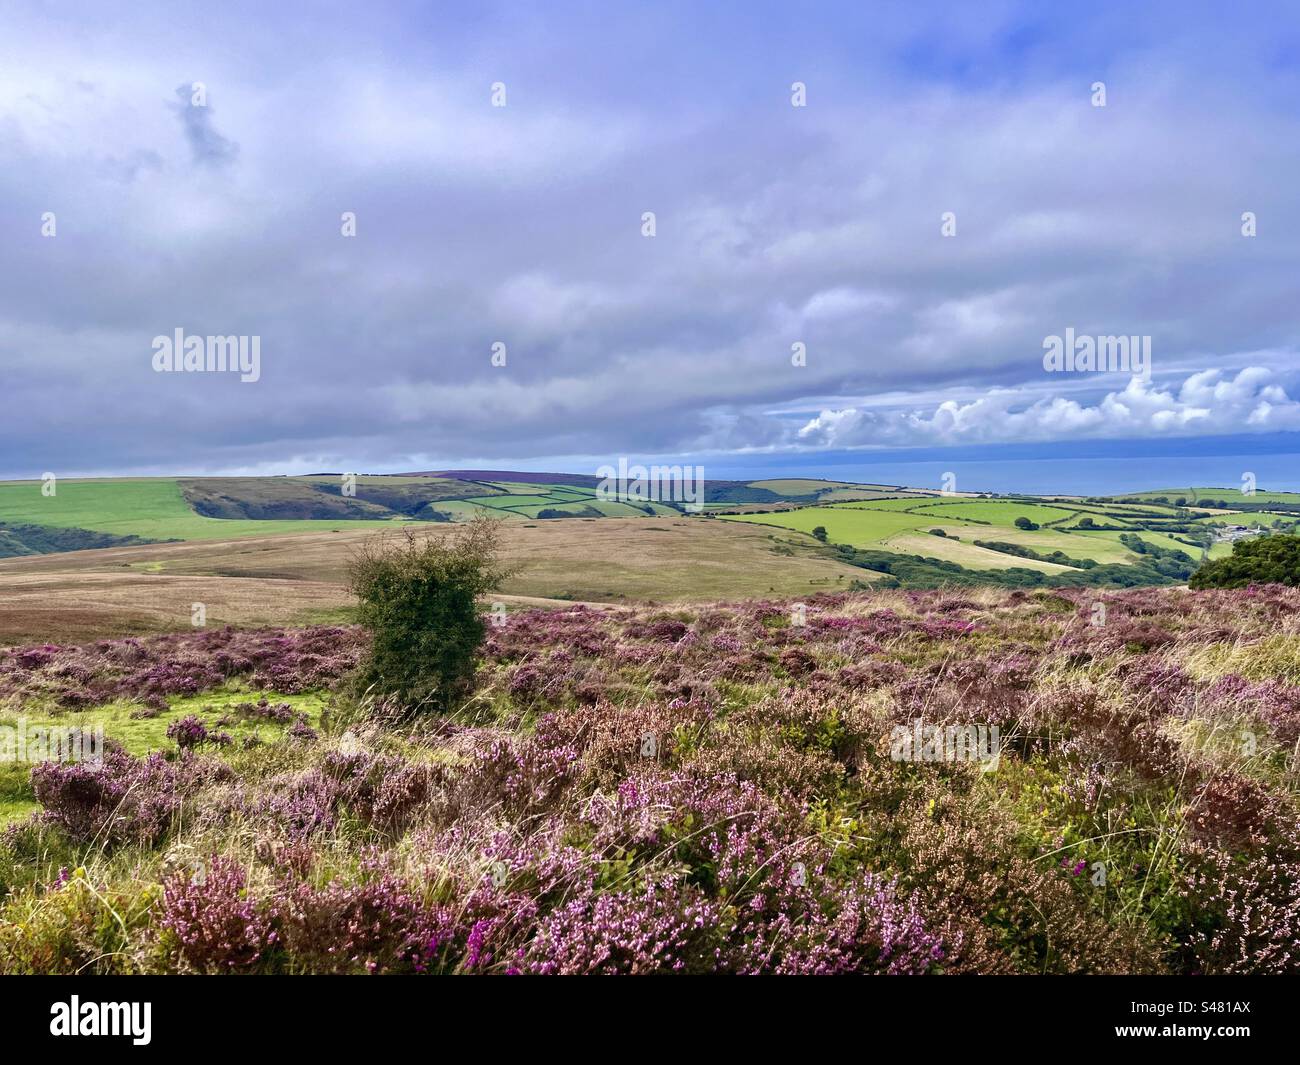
x: 418, y: 601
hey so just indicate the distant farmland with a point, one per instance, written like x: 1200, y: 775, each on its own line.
x: 154, y: 545
x: 1054, y: 538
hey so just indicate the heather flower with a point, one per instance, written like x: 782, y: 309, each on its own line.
x: 187, y: 732
x: 150, y: 670
x: 301, y: 729
x: 378, y: 926
x: 122, y: 799
x: 219, y: 928
x: 709, y: 793
x: 664, y: 928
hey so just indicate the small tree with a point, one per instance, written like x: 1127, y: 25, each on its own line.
x: 1025, y: 523
x: 418, y: 599
x: 819, y: 533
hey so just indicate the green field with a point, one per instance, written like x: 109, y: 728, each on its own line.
x: 905, y: 526
x: 859, y: 527
x: 995, y: 512
x: 1230, y: 495
x: 894, y: 503
x: 514, y: 501
x: 843, y: 495
x: 152, y: 508
x: 1156, y: 539
x: 463, y: 510
x: 1045, y: 541
x: 888, y: 528
x: 964, y: 552
x: 157, y: 508
x: 795, y: 486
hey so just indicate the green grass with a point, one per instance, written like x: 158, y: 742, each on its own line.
x: 1102, y: 548
x: 904, y: 525
x: 16, y: 798
x: 141, y: 735
x: 510, y: 487
x: 152, y: 508
x: 995, y: 512
x: 532, y: 489
x: 1138, y: 509
x: 839, y: 495
x: 513, y: 502
x: 609, y: 508
x: 1160, y: 540
x: 575, y: 507
x: 844, y: 524
x: 463, y: 510
x: 1230, y: 494
x: 895, y: 503
x: 964, y: 551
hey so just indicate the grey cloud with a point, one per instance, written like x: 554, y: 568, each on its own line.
x: 522, y: 225
x: 207, y: 146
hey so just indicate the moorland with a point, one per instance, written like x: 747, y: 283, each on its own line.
x: 679, y: 747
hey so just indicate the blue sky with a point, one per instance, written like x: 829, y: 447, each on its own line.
x: 522, y: 225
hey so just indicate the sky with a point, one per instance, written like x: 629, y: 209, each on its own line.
x: 129, y: 211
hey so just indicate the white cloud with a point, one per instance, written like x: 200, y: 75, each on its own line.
x: 1207, y: 403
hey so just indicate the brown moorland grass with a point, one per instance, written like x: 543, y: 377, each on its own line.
x: 82, y: 604
x: 287, y: 579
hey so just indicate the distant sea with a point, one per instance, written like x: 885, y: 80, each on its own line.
x: 1051, y: 476
x: 1088, y: 468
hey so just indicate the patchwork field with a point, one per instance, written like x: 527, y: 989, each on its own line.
x: 225, y: 507
x: 968, y: 555
x: 1050, y: 539
x: 1231, y: 495
x: 220, y: 508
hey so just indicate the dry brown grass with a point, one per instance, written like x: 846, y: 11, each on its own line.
x: 287, y: 579
x: 84, y: 605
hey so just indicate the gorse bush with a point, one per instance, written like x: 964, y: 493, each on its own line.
x: 418, y: 601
